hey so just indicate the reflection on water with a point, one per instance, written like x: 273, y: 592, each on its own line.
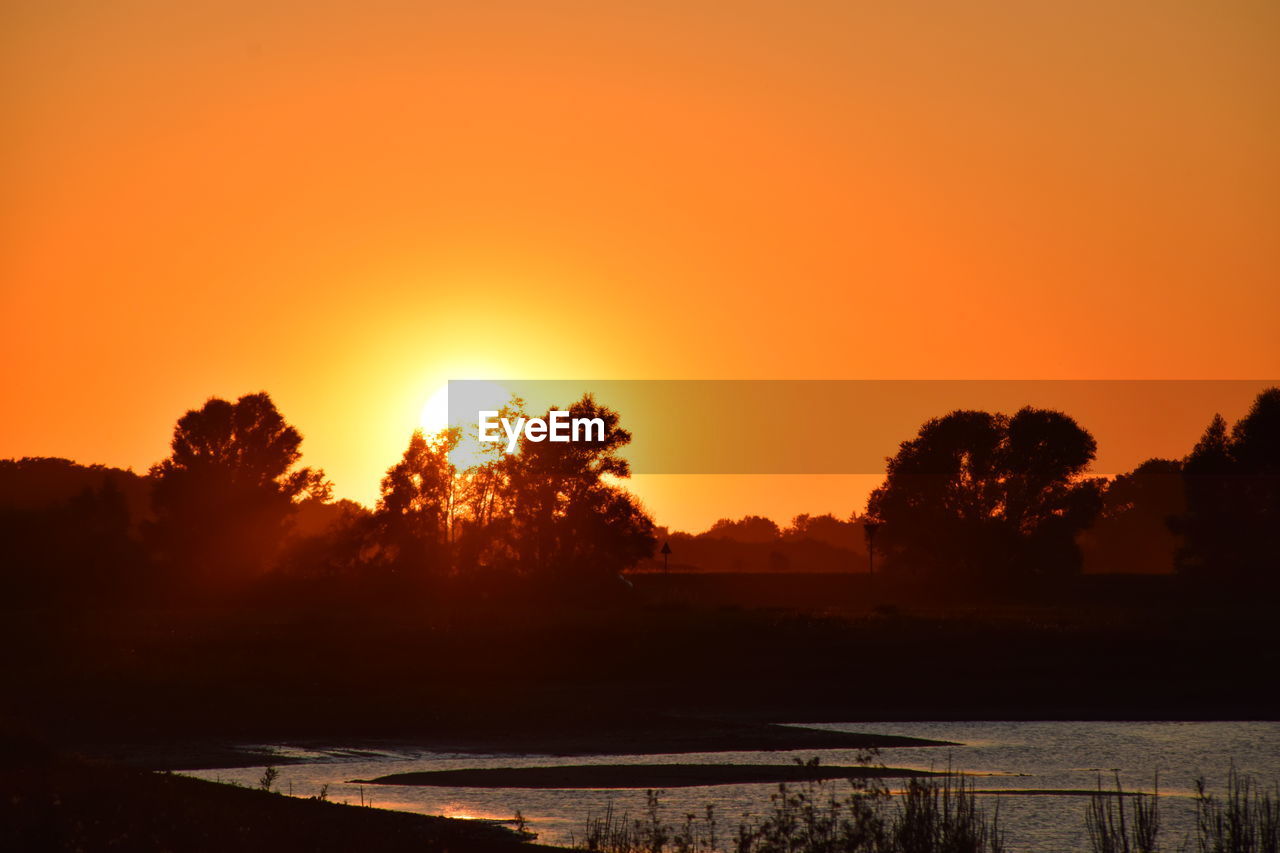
x: 1011, y: 756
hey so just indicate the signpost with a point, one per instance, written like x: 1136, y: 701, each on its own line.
x: 666, y: 577
x: 869, y: 529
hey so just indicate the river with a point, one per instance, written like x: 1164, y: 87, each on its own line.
x: 1003, y: 756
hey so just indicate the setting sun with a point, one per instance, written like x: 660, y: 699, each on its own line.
x: 588, y: 416
x: 443, y: 411
x: 435, y: 412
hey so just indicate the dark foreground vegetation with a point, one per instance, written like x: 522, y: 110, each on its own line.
x: 934, y: 815
x: 928, y: 816
x: 1244, y: 818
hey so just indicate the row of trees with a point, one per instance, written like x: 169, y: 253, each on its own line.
x: 232, y: 500
x: 982, y: 497
x: 821, y: 544
x: 552, y: 511
x: 988, y: 496
x: 975, y: 497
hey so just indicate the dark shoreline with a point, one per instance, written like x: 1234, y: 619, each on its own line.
x: 58, y: 803
x: 657, y: 736
x: 638, y: 775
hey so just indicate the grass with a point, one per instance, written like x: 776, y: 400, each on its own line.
x: 938, y: 815
x: 1245, y: 818
x: 1120, y: 824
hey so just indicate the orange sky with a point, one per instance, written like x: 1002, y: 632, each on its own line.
x: 348, y: 204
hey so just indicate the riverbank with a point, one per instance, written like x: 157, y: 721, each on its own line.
x: 648, y: 735
x: 58, y: 803
x: 639, y: 775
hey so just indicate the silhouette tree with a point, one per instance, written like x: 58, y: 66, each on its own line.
x: 1232, y: 522
x: 847, y: 534
x: 415, y: 513
x: 327, y: 540
x: 750, y: 528
x: 224, y: 497
x: 42, y: 482
x: 751, y: 544
x: 987, y: 497
x: 561, y: 516
x: 1133, y: 533
x: 482, y: 516
x: 68, y: 532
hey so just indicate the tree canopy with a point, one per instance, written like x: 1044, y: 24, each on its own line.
x: 1232, y: 479
x: 978, y: 496
x: 552, y: 513
x: 224, y: 497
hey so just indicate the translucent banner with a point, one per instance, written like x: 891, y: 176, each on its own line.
x: 838, y: 426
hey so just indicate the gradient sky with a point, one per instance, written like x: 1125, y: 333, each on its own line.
x: 348, y: 204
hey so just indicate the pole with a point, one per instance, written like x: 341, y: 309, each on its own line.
x: 869, y: 528
x: 666, y: 575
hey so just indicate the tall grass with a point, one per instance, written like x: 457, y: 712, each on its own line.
x: 1124, y: 824
x: 1244, y: 819
x: 930, y: 816
x: 944, y: 817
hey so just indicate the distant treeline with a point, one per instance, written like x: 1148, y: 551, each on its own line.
x: 974, y: 499
x: 811, y: 543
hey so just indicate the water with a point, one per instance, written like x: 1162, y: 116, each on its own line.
x: 1006, y: 756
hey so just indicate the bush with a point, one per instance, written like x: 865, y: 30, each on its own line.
x: 930, y: 816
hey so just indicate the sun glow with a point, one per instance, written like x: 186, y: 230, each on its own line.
x: 434, y: 417
x: 437, y: 416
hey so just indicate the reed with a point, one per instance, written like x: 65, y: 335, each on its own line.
x: 1120, y: 823
x: 931, y: 816
x: 1244, y: 818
